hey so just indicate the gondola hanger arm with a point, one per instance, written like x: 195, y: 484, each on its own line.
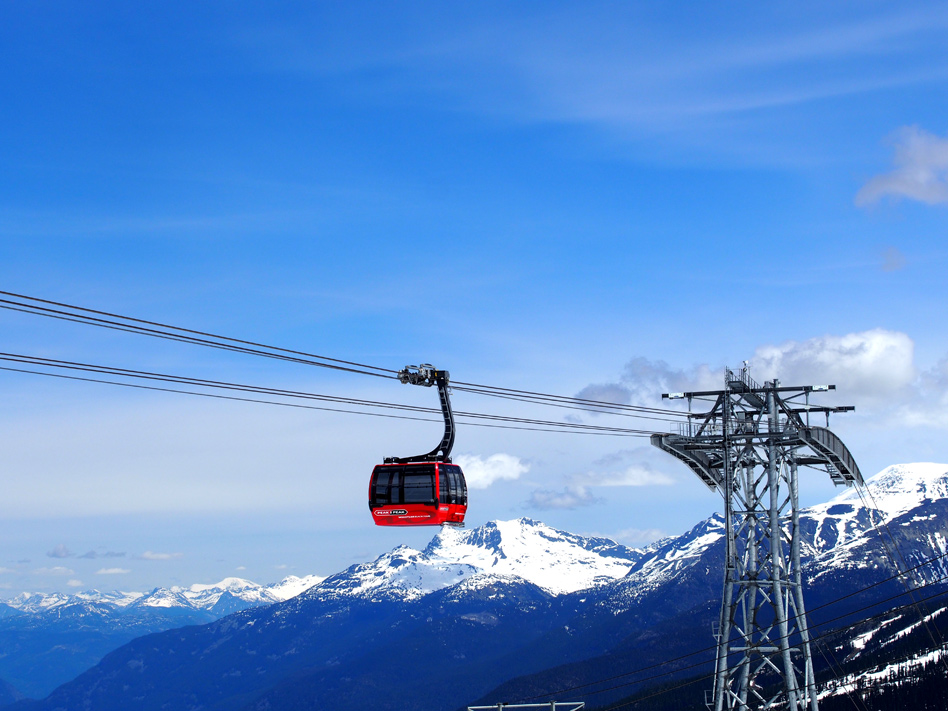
x: 427, y: 375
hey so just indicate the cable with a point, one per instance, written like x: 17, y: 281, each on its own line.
x: 564, y: 406
x: 228, y: 344
x: 78, y: 314
x: 530, y: 396
x: 625, y: 433
x: 186, y: 380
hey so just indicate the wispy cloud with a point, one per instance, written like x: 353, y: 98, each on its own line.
x: 93, y: 555
x: 644, y: 380
x: 637, y: 467
x: 641, y: 466
x: 151, y: 555
x: 73, y: 583
x: 620, y: 67
x: 920, y: 170
x: 60, y: 551
x: 642, y: 474
x: 112, y: 571
x: 570, y: 497
x: 610, y: 393
x: 893, y: 260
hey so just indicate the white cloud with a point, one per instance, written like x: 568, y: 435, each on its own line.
x: 864, y: 366
x: 572, y: 497
x: 613, y: 393
x: 7, y: 570
x: 920, y: 172
x: 643, y: 381
x: 150, y: 555
x: 642, y: 466
x: 874, y: 370
x: 929, y: 408
x: 649, y: 379
x: 241, y: 567
x: 627, y: 467
x: 480, y: 473
x: 112, y: 571
x: 73, y: 583
x: 636, y: 475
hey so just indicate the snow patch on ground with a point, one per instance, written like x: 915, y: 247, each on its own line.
x: 887, y: 675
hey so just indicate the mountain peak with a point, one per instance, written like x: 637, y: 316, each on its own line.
x: 230, y: 584
x: 900, y: 488
x: 555, y: 560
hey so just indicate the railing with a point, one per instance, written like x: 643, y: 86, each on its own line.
x: 734, y: 427
x: 741, y: 376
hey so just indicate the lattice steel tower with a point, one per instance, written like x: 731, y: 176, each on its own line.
x: 749, y: 446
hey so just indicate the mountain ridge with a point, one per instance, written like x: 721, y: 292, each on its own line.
x: 376, y: 627
x: 198, y: 596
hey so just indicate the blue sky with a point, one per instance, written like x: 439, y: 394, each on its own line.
x: 542, y: 196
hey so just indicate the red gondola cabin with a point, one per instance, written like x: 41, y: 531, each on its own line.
x: 418, y: 494
x: 425, y: 490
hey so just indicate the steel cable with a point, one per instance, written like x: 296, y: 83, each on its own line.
x: 105, y: 319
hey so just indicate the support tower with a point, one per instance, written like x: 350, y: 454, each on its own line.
x: 750, y: 446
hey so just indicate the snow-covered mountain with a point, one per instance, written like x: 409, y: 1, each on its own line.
x: 196, y: 597
x: 555, y: 561
x: 512, y: 606
x: 900, y: 514
x: 834, y: 536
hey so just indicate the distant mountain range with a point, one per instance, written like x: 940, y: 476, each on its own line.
x: 48, y: 639
x: 516, y: 610
x: 235, y: 592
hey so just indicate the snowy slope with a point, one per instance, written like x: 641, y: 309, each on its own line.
x: 556, y: 561
x: 840, y: 534
x: 900, y: 488
x: 292, y: 585
x: 553, y: 560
